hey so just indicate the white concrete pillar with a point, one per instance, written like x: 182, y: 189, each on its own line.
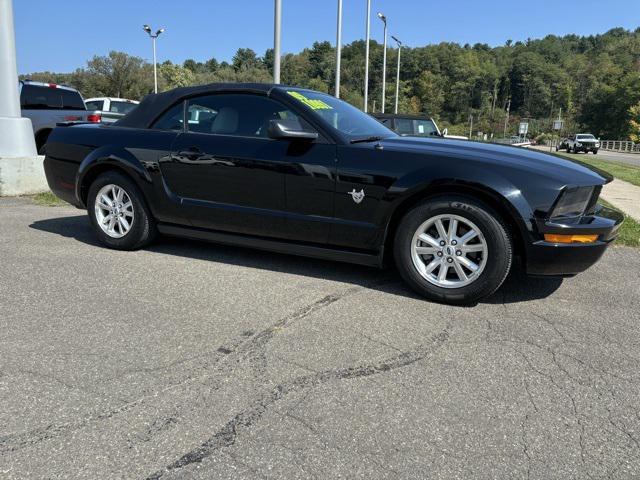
x: 20, y: 167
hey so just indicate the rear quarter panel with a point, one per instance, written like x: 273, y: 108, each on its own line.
x: 75, y: 155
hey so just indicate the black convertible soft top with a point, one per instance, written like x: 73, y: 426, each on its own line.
x: 155, y: 103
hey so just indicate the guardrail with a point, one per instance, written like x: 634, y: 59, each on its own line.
x: 511, y: 141
x: 620, y: 146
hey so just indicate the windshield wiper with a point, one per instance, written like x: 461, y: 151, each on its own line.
x: 366, y: 139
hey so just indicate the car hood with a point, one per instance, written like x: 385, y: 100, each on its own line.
x: 558, y: 168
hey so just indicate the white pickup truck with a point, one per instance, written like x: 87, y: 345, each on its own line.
x: 47, y: 104
x: 582, y: 142
x: 111, y: 109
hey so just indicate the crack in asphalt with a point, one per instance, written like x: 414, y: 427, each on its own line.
x: 244, y: 343
x: 227, y: 435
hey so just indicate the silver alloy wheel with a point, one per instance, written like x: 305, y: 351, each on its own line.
x: 449, y: 251
x: 114, y: 211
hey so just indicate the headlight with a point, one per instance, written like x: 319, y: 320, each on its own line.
x: 578, y: 144
x: 597, y: 144
x: 573, y: 202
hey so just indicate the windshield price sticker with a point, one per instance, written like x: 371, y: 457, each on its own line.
x: 314, y: 104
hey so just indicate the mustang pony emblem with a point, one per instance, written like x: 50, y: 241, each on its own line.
x: 357, y: 196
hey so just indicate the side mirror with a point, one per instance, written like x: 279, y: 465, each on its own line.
x: 445, y: 132
x: 289, y: 129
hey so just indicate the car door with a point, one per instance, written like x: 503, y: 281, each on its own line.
x: 232, y: 177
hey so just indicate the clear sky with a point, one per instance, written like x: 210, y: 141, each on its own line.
x: 62, y: 35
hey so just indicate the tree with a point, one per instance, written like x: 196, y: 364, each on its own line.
x: 119, y: 75
x: 174, y: 76
x: 244, y: 59
x: 634, y: 123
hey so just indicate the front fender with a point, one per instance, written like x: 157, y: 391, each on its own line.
x: 108, y: 156
x: 469, y: 176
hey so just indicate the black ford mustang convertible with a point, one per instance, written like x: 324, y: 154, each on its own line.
x: 297, y: 171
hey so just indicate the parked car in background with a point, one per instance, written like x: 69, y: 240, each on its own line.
x: 111, y: 109
x: 414, y: 125
x: 583, y: 142
x: 47, y: 104
x: 302, y: 172
x: 562, y: 144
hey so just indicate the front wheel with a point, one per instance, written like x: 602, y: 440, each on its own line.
x: 119, y: 213
x: 453, y: 249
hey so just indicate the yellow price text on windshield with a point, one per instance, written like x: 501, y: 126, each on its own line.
x: 314, y: 104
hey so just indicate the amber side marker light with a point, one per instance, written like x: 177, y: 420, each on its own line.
x: 555, y: 238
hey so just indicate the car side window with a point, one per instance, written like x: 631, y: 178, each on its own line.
x: 404, y: 126
x: 244, y: 115
x: 172, y: 119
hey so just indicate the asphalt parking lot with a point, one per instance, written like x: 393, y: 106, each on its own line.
x: 189, y: 360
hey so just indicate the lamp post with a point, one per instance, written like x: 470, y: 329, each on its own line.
x: 20, y: 169
x: 154, y: 36
x: 395, y: 110
x: 384, y: 58
x: 277, y: 24
x: 366, y: 57
x: 506, y: 120
x: 338, y: 48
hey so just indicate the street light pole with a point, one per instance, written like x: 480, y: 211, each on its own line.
x: 506, y: 120
x: 277, y: 22
x: 155, y: 68
x: 384, y: 58
x: 366, y: 57
x: 154, y: 37
x: 338, y: 48
x: 395, y: 110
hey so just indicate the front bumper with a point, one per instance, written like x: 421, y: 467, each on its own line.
x: 589, y: 147
x: 558, y: 259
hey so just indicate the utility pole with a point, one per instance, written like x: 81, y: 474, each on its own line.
x: 470, y: 125
x: 395, y: 110
x: 384, y: 59
x: 506, y: 120
x: 277, y: 23
x: 366, y: 57
x: 338, y: 48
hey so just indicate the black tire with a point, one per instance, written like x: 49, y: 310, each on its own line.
x: 498, y: 241
x: 595, y: 152
x: 143, y: 228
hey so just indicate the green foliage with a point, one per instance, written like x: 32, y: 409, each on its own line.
x: 594, y: 79
x: 625, y: 172
x: 48, y: 199
x: 629, y: 233
x: 174, y: 76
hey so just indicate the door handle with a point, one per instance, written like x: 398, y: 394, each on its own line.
x: 192, y: 153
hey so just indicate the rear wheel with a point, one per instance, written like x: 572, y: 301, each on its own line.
x: 453, y: 249
x: 119, y: 213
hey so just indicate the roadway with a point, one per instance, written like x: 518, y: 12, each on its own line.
x: 619, y: 157
x: 189, y: 360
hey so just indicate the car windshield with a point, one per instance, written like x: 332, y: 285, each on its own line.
x: 586, y: 137
x: 343, y: 117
